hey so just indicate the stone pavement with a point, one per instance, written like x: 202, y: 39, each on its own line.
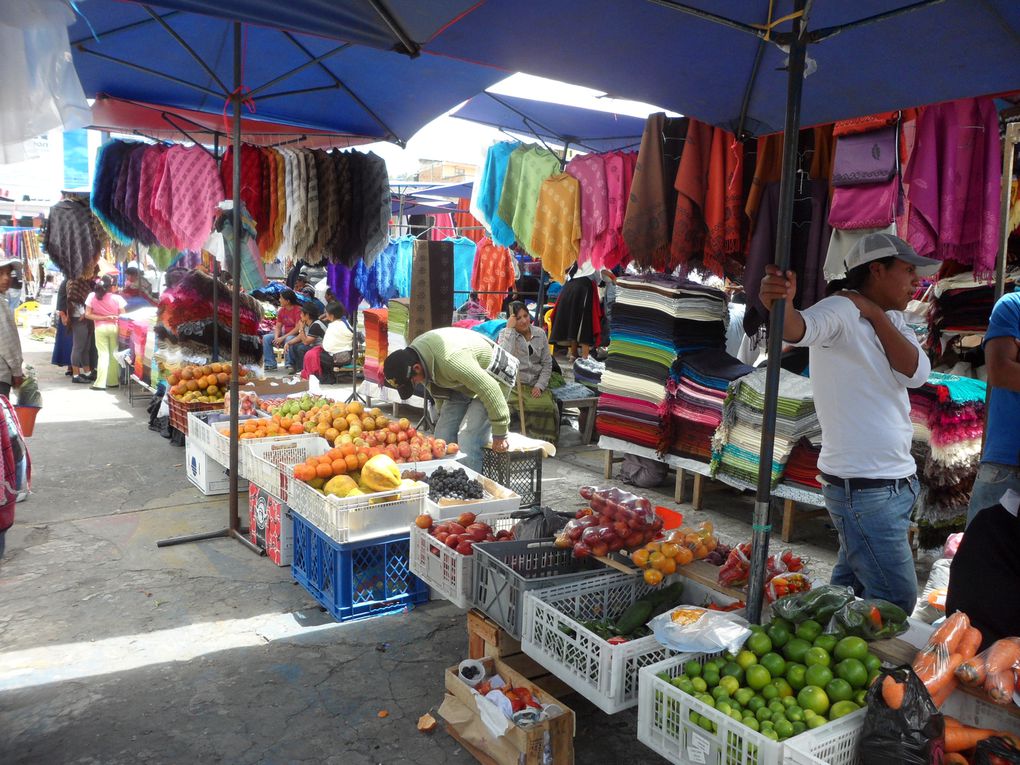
x: 115, y: 651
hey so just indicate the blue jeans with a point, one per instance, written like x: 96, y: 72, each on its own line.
x: 268, y: 356
x: 991, y: 483
x: 874, y: 553
x: 465, y: 421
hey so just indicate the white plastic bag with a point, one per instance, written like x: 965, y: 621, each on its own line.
x: 691, y: 629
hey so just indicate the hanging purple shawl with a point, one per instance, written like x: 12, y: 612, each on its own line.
x: 954, y: 178
x: 341, y: 280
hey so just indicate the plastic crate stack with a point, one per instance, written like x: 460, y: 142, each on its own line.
x: 376, y: 343
x: 655, y: 317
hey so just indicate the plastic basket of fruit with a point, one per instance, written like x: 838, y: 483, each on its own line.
x: 264, y: 460
x: 211, y: 431
x: 351, y: 496
x: 454, y: 489
x: 747, y: 708
x: 357, y: 580
x: 179, y: 411
x: 198, y: 389
x: 592, y: 633
x: 504, y: 571
x: 442, y: 552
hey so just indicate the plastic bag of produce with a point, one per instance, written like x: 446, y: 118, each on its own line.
x: 995, y: 671
x: 910, y: 735
x: 870, y: 619
x: 691, y: 629
x: 820, y: 604
x: 616, y: 520
x: 996, y: 751
x: 783, y: 585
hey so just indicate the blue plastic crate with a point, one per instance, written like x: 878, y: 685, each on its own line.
x: 357, y: 580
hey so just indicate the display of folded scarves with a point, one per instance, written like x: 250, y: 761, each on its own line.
x: 398, y: 312
x: 696, y: 390
x: 960, y: 308
x: 802, y: 466
x: 376, y: 345
x: 588, y: 371
x: 736, y: 444
x: 955, y: 411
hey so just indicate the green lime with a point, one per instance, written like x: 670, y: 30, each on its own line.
x: 777, y: 708
x: 723, y: 706
x: 763, y: 714
x: 694, y: 717
x: 853, y: 671
x: 767, y: 725
x: 817, y: 656
x: 816, y: 722
x: 735, y: 714
x: 707, y: 724
x: 770, y: 734
x: 699, y: 684
x: 757, y: 676
x: 812, y: 697
x: 826, y: 643
x: 732, y: 669
x: 743, y: 696
x: 809, y: 630
x: 751, y: 722
x: 692, y: 669
x: 779, y: 621
x: 715, y: 664
x: 711, y: 676
x: 872, y: 662
x: 795, y: 650
x: 795, y: 675
x: 779, y: 634
x: 839, y: 690
x: 784, y: 728
x: 842, y: 708
x: 719, y: 693
x: 798, y: 727
x: 683, y: 683
x: 789, y: 701
x: 774, y: 663
x: 730, y: 684
x: 704, y: 698
x: 756, y: 703
x: 745, y: 659
x: 770, y: 692
x: 784, y: 688
x: 818, y: 675
x: 795, y: 714
x: 809, y: 713
x: 861, y: 698
x: 755, y: 628
x: 851, y: 647
x: 872, y: 676
x: 758, y: 644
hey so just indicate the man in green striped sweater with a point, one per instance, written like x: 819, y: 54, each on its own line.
x: 469, y: 376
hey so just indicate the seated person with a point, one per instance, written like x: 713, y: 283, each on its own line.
x: 336, y: 348
x: 287, y: 318
x: 137, y: 291
x: 309, y: 334
x: 530, y: 345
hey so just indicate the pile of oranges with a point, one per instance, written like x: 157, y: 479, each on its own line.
x: 341, y: 460
x: 331, y: 420
x: 203, y: 384
x: 661, y: 558
x: 261, y: 428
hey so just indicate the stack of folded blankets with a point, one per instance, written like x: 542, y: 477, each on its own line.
x: 654, y: 318
x: 399, y: 311
x: 802, y: 466
x: 735, y: 448
x: 588, y: 372
x: 954, y: 410
x: 961, y: 307
x: 696, y: 390
x: 376, y: 343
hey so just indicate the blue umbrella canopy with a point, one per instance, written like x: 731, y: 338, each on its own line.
x: 179, y: 59
x: 575, y: 126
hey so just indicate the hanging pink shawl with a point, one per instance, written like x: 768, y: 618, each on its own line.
x: 953, y: 179
x: 195, y: 190
x: 871, y: 205
x: 590, y: 171
x: 153, y: 164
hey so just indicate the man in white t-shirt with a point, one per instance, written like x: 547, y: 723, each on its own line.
x: 863, y: 358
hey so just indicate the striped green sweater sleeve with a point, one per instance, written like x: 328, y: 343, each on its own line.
x: 465, y: 369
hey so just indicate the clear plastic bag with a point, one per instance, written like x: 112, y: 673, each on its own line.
x: 616, y: 520
x: 691, y: 629
x: 820, y: 604
x: 873, y: 619
x: 995, y: 670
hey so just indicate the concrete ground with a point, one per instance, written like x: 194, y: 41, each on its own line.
x: 115, y: 651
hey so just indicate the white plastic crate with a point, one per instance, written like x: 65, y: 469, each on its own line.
x: 207, y: 437
x: 264, y: 460
x: 605, y: 674
x: 498, y: 499
x: 664, y: 725
x: 446, y: 571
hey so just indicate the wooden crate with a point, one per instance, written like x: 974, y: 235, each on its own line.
x: 517, y: 745
x: 486, y: 639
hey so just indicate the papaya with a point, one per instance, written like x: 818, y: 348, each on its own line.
x: 380, y: 473
x: 339, y: 486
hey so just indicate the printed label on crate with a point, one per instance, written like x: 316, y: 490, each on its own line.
x: 699, y: 748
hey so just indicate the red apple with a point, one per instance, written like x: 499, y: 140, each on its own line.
x: 600, y: 549
x: 465, y: 547
x: 411, y: 432
x: 478, y: 531
x: 590, y: 535
x: 465, y: 519
x: 581, y: 550
x: 402, y: 436
x: 453, y: 540
x: 441, y: 536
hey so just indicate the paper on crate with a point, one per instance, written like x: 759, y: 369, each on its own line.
x: 517, y: 443
x: 468, y: 725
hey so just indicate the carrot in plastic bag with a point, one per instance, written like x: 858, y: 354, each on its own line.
x: 951, y: 632
x: 970, y: 643
x: 973, y: 671
x: 1004, y: 654
x: 999, y: 686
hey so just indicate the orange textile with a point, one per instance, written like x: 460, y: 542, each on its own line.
x: 556, y: 239
x: 865, y: 124
x: 493, y: 273
x: 468, y: 225
x: 709, y: 183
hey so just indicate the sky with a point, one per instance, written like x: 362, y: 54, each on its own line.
x: 445, y: 138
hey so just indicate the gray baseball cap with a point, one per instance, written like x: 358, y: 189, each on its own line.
x: 880, y: 245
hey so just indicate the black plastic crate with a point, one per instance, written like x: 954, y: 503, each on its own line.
x: 521, y: 472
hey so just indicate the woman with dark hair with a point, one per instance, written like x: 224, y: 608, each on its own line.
x: 863, y: 358
x: 308, y: 334
x: 531, y: 347
x: 103, y: 307
x: 288, y: 315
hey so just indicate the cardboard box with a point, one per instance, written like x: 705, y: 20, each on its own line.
x: 275, y: 387
x: 518, y: 746
x: 209, y: 476
x: 270, y: 526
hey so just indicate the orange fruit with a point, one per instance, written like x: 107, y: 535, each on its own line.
x: 296, y: 430
x: 355, y: 408
x: 349, y: 449
x: 324, y: 470
x: 670, y: 549
x: 656, y: 559
x: 286, y: 422
x: 331, y: 434
x: 352, y: 461
x: 323, y: 460
x: 640, y: 558
x: 684, y: 556
x: 339, y: 466
x: 668, y: 566
x: 700, y: 552
x: 653, y: 577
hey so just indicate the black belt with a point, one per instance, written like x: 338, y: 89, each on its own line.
x: 856, y: 484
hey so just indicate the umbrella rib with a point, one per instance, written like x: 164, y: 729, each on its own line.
x: 713, y: 17
x: 298, y: 91
x: 340, y: 84
x: 191, y: 51
x: 117, y: 30
x: 528, y: 121
x: 746, y: 103
x: 826, y: 32
x: 292, y: 72
x: 411, y: 48
x: 153, y: 72
x: 166, y: 118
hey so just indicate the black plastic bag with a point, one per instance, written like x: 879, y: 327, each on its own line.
x: 914, y: 734
x: 995, y: 751
x: 538, y: 523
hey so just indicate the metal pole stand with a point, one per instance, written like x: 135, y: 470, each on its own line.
x: 355, y: 396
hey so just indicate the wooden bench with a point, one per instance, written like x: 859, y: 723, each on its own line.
x: 586, y: 411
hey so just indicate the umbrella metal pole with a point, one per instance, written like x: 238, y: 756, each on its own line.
x: 1009, y: 143
x: 762, y: 519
